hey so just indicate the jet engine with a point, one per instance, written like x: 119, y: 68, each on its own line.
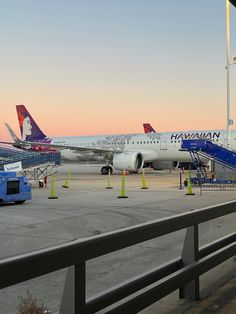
x: 159, y: 165
x: 22, y: 146
x: 131, y: 161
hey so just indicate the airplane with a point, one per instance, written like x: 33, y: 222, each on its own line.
x: 120, y: 151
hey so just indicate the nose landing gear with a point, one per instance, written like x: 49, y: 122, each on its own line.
x: 106, y: 169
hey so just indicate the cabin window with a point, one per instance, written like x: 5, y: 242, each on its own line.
x: 137, y: 142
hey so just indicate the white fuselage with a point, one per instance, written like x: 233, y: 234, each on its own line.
x: 153, y: 146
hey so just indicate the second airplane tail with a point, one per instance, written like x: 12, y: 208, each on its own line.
x: 28, y: 127
x: 148, y: 128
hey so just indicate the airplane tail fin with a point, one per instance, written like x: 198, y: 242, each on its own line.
x: 148, y: 128
x: 28, y: 127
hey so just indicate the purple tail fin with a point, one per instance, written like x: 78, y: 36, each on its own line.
x: 28, y: 127
x: 148, y: 128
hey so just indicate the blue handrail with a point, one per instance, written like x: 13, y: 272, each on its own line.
x: 225, y: 155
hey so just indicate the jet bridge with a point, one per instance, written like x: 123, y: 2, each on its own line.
x: 34, y: 165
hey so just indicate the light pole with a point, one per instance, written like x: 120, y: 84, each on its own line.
x: 229, y: 62
x: 229, y: 120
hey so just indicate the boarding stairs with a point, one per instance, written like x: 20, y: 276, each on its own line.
x: 35, y: 165
x: 220, y: 154
x: 225, y: 156
x: 197, y: 164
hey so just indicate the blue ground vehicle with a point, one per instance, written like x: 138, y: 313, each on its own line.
x: 14, y: 188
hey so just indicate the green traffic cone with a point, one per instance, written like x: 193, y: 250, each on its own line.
x: 66, y: 184
x: 109, y: 186
x: 144, y: 184
x: 122, y: 192
x: 53, y: 194
x: 189, y: 188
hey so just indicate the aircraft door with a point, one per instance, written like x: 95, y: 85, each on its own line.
x: 163, y: 143
x: 223, y: 141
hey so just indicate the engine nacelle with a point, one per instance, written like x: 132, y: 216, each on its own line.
x: 162, y: 164
x: 22, y: 146
x: 131, y: 161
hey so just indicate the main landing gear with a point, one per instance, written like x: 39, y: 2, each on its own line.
x: 106, y: 169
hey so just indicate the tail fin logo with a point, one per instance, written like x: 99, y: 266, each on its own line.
x: 28, y: 127
x: 25, y: 125
x: 148, y: 128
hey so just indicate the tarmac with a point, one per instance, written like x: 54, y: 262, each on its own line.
x: 87, y: 208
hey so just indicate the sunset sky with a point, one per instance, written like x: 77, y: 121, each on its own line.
x: 106, y: 66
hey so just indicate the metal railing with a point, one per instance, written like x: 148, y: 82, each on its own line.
x: 217, y: 187
x: 181, y: 273
x: 28, y: 158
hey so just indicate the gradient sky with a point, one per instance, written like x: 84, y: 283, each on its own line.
x: 106, y: 66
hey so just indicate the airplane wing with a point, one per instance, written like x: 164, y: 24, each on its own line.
x: 30, y: 144
x: 72, y: 147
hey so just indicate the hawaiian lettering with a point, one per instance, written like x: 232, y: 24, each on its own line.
x: 195, y: 135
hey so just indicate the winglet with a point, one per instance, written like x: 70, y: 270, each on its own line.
x: 13, y: 135
x: 16, y: 141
